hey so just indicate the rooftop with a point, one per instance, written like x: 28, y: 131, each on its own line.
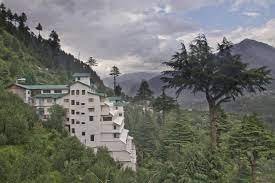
x: 43, y: 87
x: 81, y: 75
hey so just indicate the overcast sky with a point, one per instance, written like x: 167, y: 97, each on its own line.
x: 137, y: 35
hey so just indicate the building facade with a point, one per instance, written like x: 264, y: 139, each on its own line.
x: 96, y: 120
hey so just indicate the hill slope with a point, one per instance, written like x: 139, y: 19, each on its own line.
x: 23, y: 54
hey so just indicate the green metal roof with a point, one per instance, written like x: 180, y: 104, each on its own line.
x: 44, y: 87
x: 114, y: 98
x: 54, y: 96
x: 81, y: 75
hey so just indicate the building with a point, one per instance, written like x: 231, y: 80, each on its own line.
x: 96, y: 120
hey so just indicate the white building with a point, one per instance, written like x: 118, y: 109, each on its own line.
x: 96, y: 120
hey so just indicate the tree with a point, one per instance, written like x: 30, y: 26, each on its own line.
x: 92, y: 62
x: 54, y: 41
x: 144, y: 92
x: 251, y: 142
x: 118, y: 90
x: 39, y: 28
x: 22, y: 20
x: 174, y: 136
x: 115, y: 73
x: 164, y: 104
x: 15, y: 18
x: 10, y: 15
x: 56, y: 120
x: 222, y: 77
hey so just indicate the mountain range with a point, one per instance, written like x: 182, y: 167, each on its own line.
x: 254, y: 53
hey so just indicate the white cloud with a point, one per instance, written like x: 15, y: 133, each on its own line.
x: 251, y: 14
x: 237, y: 4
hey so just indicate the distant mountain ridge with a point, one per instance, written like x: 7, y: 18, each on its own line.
x: 255, y: 53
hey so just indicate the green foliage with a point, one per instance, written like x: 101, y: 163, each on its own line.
x: 144, y: 92
x: 222, y: 77
x: 16, y: 119
x: 251, y: 142
x: 115, y: 73
x: 57, y: 117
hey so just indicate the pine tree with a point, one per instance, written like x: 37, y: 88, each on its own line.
x: 144, y: 92
x: 54, y: 41
x: 10, y: 15
x: 251, y: 142
x: 115, y: 73
x: 222, y: 77
x: 39, y: 28
x: 118, y: 90
x: 92, y: 62
x: 175, y: 135
x: 22, y: 20
x: 164, y: 104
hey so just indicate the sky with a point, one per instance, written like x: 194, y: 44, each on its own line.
x: 138, y: 35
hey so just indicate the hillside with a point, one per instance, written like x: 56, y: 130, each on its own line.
x: 23, y: 54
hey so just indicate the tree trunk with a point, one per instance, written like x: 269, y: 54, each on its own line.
x: 213, y: 125
x: 114, y: 83
x: 253, y: 170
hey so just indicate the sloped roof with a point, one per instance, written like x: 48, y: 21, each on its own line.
x: 81, y: 75
x: 43, y: 87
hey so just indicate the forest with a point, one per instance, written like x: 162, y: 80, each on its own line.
x: 173, y: 144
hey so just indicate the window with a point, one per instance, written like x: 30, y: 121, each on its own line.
x: 68, y: 119
x: 72, y: 120
x: 78, y: 78
x: 114, y: 127
x: 83, y: 92
x: 72, y: 102
x: 91, y: 109
x: 83, y: 133
x: 29, y: 92
x: 77, y: 103
x: 49, y: 100
x: 116, y: 135
x: 46, y: 91
x: 107, y: 118
x: 91, y: 100
x: 102, y: 99
x: 91, y: 118
x: 83, y: 123
x: 67, y: 110
x: 116, y: 108
x: 66, y: 100
x: 72, y: 92
x: 77, y: 122
x: 120, y: 114
x: 83, y: 113
x: 92, y: 137
x: 82, y: 103
x: 77, y: 112
x: 72, y: 111
x: 73, y: 130
x: 77, y: 92
x: 57, y: 91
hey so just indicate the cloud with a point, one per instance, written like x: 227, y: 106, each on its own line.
x: 136, y: 35
x: 251, y: 14
x: 237, y: 4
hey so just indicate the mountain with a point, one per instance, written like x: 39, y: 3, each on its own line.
x: 130, y: 82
